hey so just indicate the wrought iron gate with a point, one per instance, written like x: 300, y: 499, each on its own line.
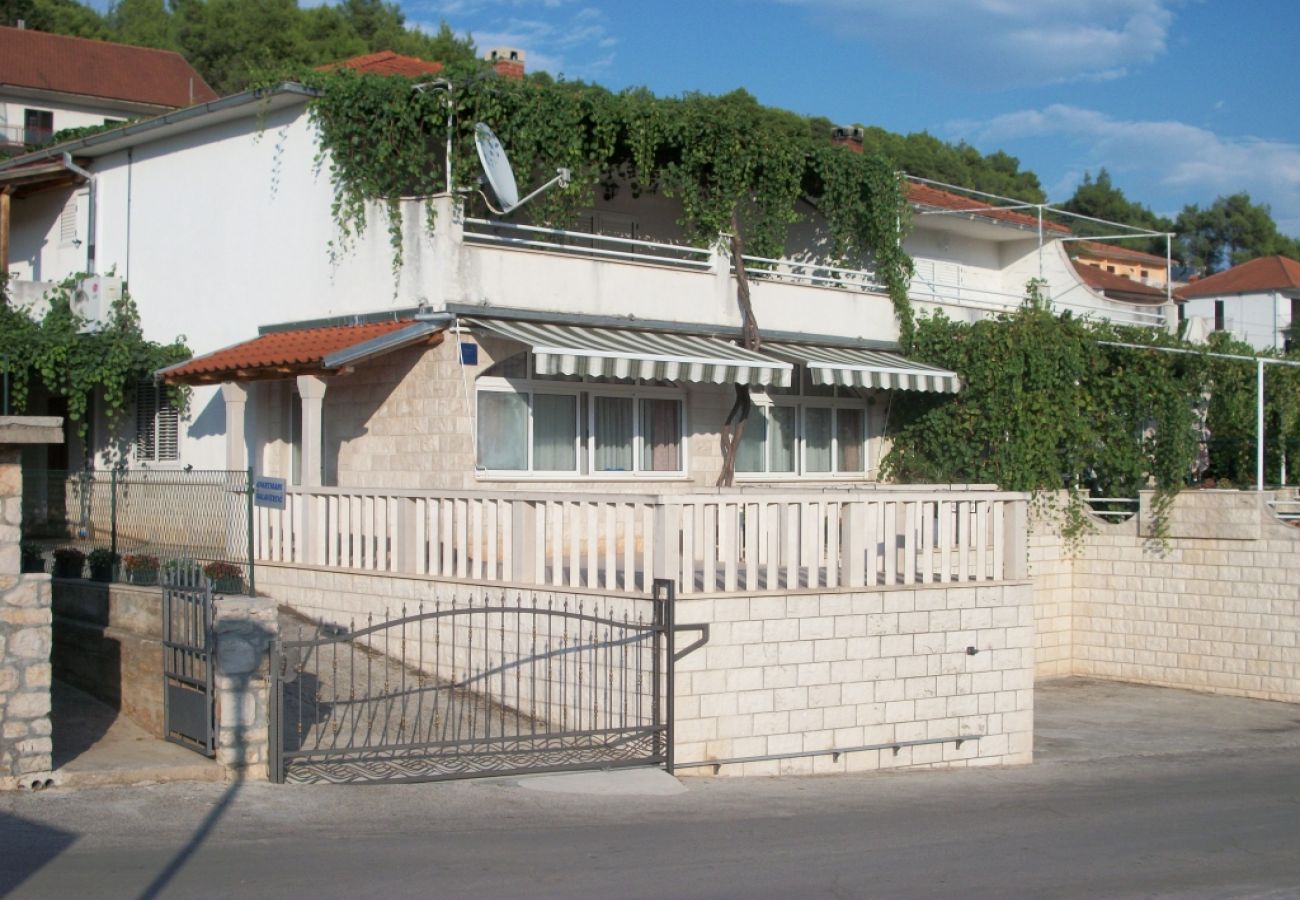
x: 483, y: 687
x: 188, y: 709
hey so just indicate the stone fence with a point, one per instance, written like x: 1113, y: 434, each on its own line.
x: 1214, y: 606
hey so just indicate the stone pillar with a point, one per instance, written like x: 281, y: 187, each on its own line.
x: 311, y: 389
x: 236, y: 397
x: 243, y: 630
x: 25, y: 622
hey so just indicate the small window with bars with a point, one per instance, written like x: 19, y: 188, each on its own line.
x: 157, y: 424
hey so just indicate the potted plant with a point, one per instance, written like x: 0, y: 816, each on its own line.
x: 141, y: 568
x: 227, y: 578
x: 68, y: 562
x: 33, y: 558
x: 102, y: 561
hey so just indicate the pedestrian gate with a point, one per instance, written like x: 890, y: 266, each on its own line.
x: 188, y: 708
x: 475, y: 687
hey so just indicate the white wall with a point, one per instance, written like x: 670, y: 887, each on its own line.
x: 1258, y: 319
x: 67, y: 113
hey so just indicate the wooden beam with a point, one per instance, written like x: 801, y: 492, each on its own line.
x: 4, y: 231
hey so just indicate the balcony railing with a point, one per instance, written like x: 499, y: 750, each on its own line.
x: 745, y: 540
x: 20, y: 136
x: 952, y: 284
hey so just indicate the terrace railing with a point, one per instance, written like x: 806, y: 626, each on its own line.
x: 750, y: 540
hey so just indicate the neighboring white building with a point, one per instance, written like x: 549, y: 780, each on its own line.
x: 51, y: 82
x: 1257, y: 301
x: 498, y: 352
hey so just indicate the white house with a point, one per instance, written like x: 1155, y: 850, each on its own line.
x: 499, y: 352
x: 1257, y: 301
x: 51, y: 82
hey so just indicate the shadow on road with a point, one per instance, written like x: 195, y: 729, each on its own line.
x: 27, y: 847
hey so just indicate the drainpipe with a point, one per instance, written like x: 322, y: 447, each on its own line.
x: 90, y: 214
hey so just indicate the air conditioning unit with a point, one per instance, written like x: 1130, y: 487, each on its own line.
x: 93, y: 300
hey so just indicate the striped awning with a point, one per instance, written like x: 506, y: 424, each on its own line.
x: 626, y: 353
x: 853, y: 367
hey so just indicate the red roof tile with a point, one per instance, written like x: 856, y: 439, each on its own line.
x: 55, y: 62
x: 1267, y: 273
x: 386, y: 62
x: 925, y: 195
x: 279, y: 353
x: 1098, y: 250
x: 1108, y: 282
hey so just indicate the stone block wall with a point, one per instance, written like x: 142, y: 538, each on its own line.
x: 840, y: 669
x: 1218, y: 610
x: 1053, y: 573
x: 108, y: 643
x: 1215, y: 608
x: 791, y: 673
x: 25, y: 743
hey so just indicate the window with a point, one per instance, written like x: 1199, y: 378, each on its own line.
x: 816, y: 431
x: 1218, y: 315
x: 157, y: 424
x: 68, y: 222
x: 542, y: 425
x: 38, y: 126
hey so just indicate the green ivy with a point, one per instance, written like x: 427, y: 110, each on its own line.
x: 381, y: 140
x: 1046, y: 407
x: 106, y: 365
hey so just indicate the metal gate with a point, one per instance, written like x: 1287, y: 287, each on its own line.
x: 188, y: 709
x: 482, y: 687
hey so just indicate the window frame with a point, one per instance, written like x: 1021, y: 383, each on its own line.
x: 585, y: 391
x: 801, y: 404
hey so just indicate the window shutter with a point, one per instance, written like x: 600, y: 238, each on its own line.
x: 146, y: 414
x: 68, y: 221
x: 167, y: 429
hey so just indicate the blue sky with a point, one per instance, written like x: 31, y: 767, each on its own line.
x: 1181, y: 100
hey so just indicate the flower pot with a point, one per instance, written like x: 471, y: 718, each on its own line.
x: 101, y: 571
x: 33, y: 563
x: 64, y: 568
x: 146, y: 577
x: 230, y: 584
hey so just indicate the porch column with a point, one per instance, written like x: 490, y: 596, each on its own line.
x: 236, y: 398
x: 311, y: 390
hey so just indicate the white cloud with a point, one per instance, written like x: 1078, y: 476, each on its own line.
x: 557, y: 36
x: 1166, y: 158
x: 1000, y: 43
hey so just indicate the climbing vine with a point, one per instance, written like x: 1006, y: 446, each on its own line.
x: 104, y: 366
x: 715, y: 155
x: 1046, y: 407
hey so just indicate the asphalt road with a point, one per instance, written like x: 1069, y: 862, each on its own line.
x: 1160, y: 807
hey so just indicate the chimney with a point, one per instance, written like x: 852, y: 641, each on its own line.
x: 507, y: 61
x: 847, y: 136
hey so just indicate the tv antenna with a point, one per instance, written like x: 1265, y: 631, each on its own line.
x: 497, y: 171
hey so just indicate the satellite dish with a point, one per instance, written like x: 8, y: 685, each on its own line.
x: 496, y: 166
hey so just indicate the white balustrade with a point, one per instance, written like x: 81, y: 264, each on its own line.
x: 747, y: 540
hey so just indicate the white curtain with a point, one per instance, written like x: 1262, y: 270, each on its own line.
x: 613, y: 433
x: 781, y: 439
x: 502, y: 431
x: 817, y: 439
x: 850, y: 434
x: 555, y: 432
x: 749, y: 457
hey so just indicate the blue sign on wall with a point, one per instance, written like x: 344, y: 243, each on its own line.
x: 469, y: 353
x: 268, y: 492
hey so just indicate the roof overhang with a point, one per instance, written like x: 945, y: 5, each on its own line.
x: 259, y: 102
x: 305, y: 351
